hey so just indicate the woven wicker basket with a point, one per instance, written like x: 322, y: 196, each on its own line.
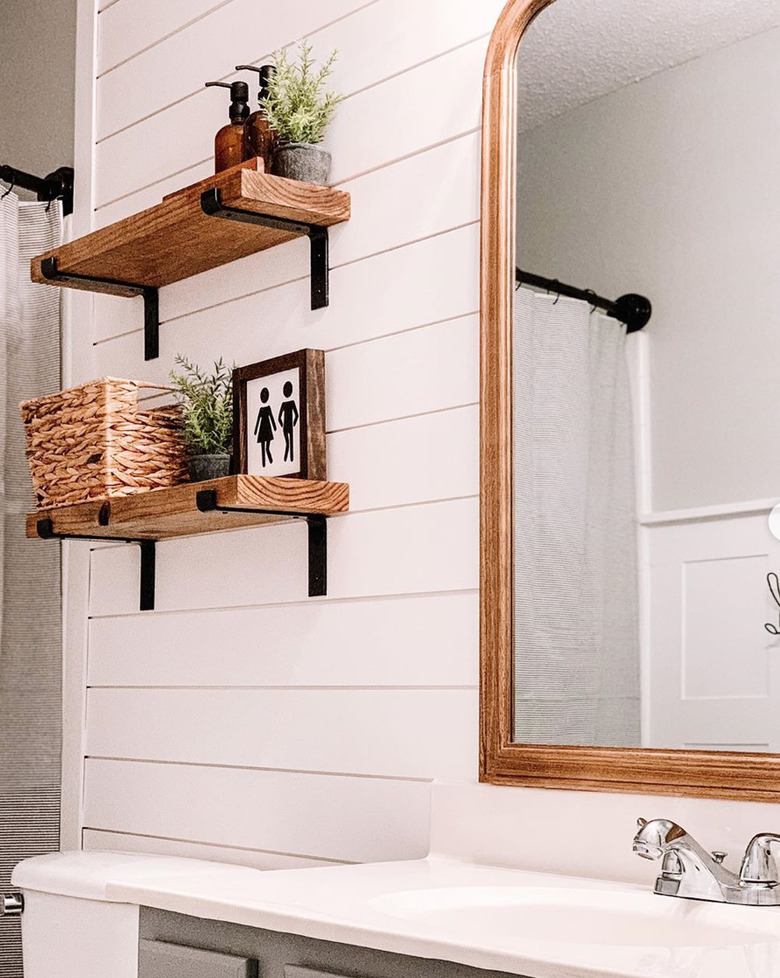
x: 93, y: 442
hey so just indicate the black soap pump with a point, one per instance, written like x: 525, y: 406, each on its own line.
x: 259, y: 136
x: 229, y: 142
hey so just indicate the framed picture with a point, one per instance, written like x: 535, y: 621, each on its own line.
x: 279, y: 426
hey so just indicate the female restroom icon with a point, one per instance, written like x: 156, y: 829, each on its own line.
x: 265, y: 426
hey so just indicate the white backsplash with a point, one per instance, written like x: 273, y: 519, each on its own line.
x: 580, y: 833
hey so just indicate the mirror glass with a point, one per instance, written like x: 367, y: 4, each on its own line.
x: 647, y: 450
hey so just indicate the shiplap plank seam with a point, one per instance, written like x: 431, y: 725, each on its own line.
x: 334, y: 817
x: 353, y: 157
x: 160, y: 39
x: 300, y: 278
x: 260, y: 768
x: 476, y: 30
x: 224, y: 77
x: 87, y: 832
x: 355, y: 599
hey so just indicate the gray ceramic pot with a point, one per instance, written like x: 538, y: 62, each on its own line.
x: 302, y: 161
x: 203, y: 467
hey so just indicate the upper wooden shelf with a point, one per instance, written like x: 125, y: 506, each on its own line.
x: 180, y: 237
x: 176, y: 239
x: 165, y: 513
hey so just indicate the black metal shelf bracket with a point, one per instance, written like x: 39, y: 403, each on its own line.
x: 108, y: 286
x: 45, y: 529
x: 206, y: 501
x: 211, y: 204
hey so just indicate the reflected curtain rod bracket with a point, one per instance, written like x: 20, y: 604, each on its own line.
x: 632, y: 309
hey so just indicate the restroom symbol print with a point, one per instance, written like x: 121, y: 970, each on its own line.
x: 277, y: 421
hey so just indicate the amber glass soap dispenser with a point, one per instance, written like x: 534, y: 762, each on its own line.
x: 229, y: 146
x: 259, y: 136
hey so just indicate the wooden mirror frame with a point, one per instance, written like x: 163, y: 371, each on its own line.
x: 714, y: 774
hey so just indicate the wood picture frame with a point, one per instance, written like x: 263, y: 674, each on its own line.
x: 713, y: 774
x: 309, y: 403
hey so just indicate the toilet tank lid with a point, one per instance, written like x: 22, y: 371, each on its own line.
x: 88, y: 874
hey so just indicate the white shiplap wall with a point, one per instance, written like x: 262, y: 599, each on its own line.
x: 241, y: 720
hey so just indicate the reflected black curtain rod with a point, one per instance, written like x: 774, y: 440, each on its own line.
x: 631, y: 309
x: 58, y: 184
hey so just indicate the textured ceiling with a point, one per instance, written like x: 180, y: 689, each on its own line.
x: 579, y: 50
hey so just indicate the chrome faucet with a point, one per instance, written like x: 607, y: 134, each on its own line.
x: 690, y: 872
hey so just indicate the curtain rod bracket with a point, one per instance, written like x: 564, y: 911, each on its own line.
x: 57, y: 185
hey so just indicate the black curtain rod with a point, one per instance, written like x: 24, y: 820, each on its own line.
x: 631, y: 309
x: 58, y: 184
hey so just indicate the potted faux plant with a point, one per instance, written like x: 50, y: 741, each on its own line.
x: 299, y: 107
x: 206, y: 402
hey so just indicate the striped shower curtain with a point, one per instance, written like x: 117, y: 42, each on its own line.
x: 576, y: 581
x: 30, y: 611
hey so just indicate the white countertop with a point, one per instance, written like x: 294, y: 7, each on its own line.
x: 360, y: 905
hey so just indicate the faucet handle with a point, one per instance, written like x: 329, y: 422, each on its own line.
x: 641, y: 823
x: 718, y: 855
x: 758, y: 865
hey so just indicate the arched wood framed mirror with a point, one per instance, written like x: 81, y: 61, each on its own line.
x: 720, y: 551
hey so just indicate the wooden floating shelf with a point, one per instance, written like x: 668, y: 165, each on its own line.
x: 235, y: 502
x: 180, y: 237
x: 165, y: 513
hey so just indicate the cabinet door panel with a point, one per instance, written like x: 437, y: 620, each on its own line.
x: 161, y: 960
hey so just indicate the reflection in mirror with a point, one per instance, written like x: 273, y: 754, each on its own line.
x: 646, y: 458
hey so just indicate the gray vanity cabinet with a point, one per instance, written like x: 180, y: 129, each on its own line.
x: 176, y: 946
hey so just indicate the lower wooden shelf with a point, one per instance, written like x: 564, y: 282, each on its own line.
x: 165, y: 513
x: 201, y: 507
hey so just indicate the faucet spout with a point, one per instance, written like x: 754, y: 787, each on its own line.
x: 687, y: 870
x: 654, y: 838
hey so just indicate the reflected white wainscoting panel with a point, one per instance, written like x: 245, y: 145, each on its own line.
x: 714, y: 676
x: 288, y: 812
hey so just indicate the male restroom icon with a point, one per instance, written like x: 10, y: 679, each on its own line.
x: 288, y: 419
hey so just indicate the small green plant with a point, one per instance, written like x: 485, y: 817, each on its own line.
x: 206, y: 401
x: 298, y: 105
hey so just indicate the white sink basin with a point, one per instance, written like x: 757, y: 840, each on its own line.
x: 621, y: 918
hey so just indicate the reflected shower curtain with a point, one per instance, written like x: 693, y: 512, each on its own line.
x: 30, y: 613
x: 576, y: 587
